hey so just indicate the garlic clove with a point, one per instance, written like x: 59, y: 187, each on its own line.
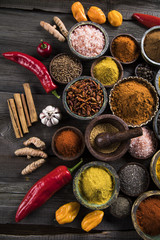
x: 57, y: 115
x: 45, y: 112
x: 44, y: 120
x: 49, y: 108
x: 54, y: 121
x: 49, y: 123
x: 41, y: 115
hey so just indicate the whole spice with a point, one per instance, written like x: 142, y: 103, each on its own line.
x: 147, y: 20
x: 33, y: 166
x: 37, y: 142
x: 42, y: 190
x: 125, y: 49
x: 152, y: 45
x: 30, y: 152
x: 78, y: 12
x: 96, y: 15
x: 92, y: 220
x: 133, y: 179
x: 68, y: 143
x: 29, y: 124
x: 61, y: 26
x: 36, y: 67
x: 158, y: 169
x: 106, y: 71
x: 100, y: 128
x: 44, y: 49
x: 121, y: 207
x: 67, y: 213
x: 133, y: 102
x: 50, y: 116
x: 52, y: 30
x: 148, y: 216
x: 64, y: 68
x: 145, y: 71
x: 115, y: 18
x: 96, y: 185
x: 85, y: 97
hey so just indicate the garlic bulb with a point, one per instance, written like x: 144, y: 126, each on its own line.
x: 50, y: 116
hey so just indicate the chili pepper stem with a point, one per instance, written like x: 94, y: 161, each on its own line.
x: 76, y: 166
x: 54, y: 92
x: 43, y: 46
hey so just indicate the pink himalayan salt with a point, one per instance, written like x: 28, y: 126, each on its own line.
x: 143, y: 146
x: 88, y: 40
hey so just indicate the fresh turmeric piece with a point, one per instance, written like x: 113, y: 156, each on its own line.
x: 52, y: 30
x: 38, y: 143
x: 61, y: 26
x: 30, y: 152
x: 33, y: 166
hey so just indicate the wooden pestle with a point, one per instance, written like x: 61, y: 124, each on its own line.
x: 103, y: 140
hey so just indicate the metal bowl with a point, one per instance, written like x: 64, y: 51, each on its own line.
x: 153, y: 169
x: 157, y: 82
x: 155, y: 125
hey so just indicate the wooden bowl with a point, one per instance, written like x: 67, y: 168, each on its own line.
x: 116, y: 122
x: 153, y: 169
x: 79, y: 195
x: 119, y: 65
x: 78, y: 132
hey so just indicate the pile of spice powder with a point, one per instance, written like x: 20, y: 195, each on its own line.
x: 158, y: 169
x: 100, y: 128
x: 87, y: 40
x: 64, y: 68
x: 143, y: 146
x: 106, y: 71
x: 152, y: 45
x: 121, y: 207
x: 133, y: 179
x: 96, y: 185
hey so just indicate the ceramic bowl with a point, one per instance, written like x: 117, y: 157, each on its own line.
x: 157, y: 82
x: 116, y: 122
x: 79, y: 196
x: 78, y: 132
x: 119, y: 65
x: 143, y: 82
x: 134, y: 218
x: 153, y: 169
x: 68, y: 110
x: 156, y: 122
x: 131, y: 37
x: 144, y: 55
x: 106, y: 37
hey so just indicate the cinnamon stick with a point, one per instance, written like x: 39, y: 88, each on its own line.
x: 26, y: 110
x: 14, y: 118
x: 22, y: 118
x: 30, y: 102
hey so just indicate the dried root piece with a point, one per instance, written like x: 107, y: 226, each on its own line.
x: 38, y: 143
x: 52, y: 30
x: 33, y: 166
x: 30, y: 152
x: 61, y: 26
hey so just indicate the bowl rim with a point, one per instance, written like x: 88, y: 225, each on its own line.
x: 134, y: 39
x: 119, y: 65
x: 153, y: 169
x: 155, y: 128
x: 74, y: 129
x: 156, y: 82
x: 144, y: 55
x: 135, y: 206
x: 105, y: 101
x: 139, y: 79
x: 116, y: 181
x: 98, y: 26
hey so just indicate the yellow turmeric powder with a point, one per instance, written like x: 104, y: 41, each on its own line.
x: 158, y: 169
x: 96, y: 185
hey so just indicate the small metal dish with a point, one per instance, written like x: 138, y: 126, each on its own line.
x: 134, y: 217
x: 78, y: 132
x: 147, y: 66
x: 131, y: 37
x: 106, y: 37
x: 157, y: 82
x: 79, y: 195
x: 156, y: 121
x: 153, y: 169
x: 144, y: 55
x: 119, y: 65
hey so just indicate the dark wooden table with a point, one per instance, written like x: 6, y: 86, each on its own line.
x: 20, y: 31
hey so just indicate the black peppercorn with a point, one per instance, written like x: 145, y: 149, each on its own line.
x: 144, y: 71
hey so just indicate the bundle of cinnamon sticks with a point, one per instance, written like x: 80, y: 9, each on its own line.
x: 22, y: 111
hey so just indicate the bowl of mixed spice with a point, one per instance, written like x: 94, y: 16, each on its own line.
x: 84, y: 98
x: 88, y: 40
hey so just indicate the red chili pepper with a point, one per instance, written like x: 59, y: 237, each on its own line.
x: 42, y: 190
x: 36, y: 67
x: 147, y: 20
x: 44, y: 49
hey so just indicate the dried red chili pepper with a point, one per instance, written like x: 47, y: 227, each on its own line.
x: 36, y: 67
x: 42, y: 190
x: 147, y: 20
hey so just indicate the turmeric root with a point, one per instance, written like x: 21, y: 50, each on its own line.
x: 52, y: 30
x: 61, y: 26
x: 38, y: 143
x: 30, y: 152
x: 33, y: 166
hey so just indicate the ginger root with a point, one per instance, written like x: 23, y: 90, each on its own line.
x: 33, y: 166
x: 38, y: 143
x: 61, y: 26
x: 52, y: 30
x: 30, y: 152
